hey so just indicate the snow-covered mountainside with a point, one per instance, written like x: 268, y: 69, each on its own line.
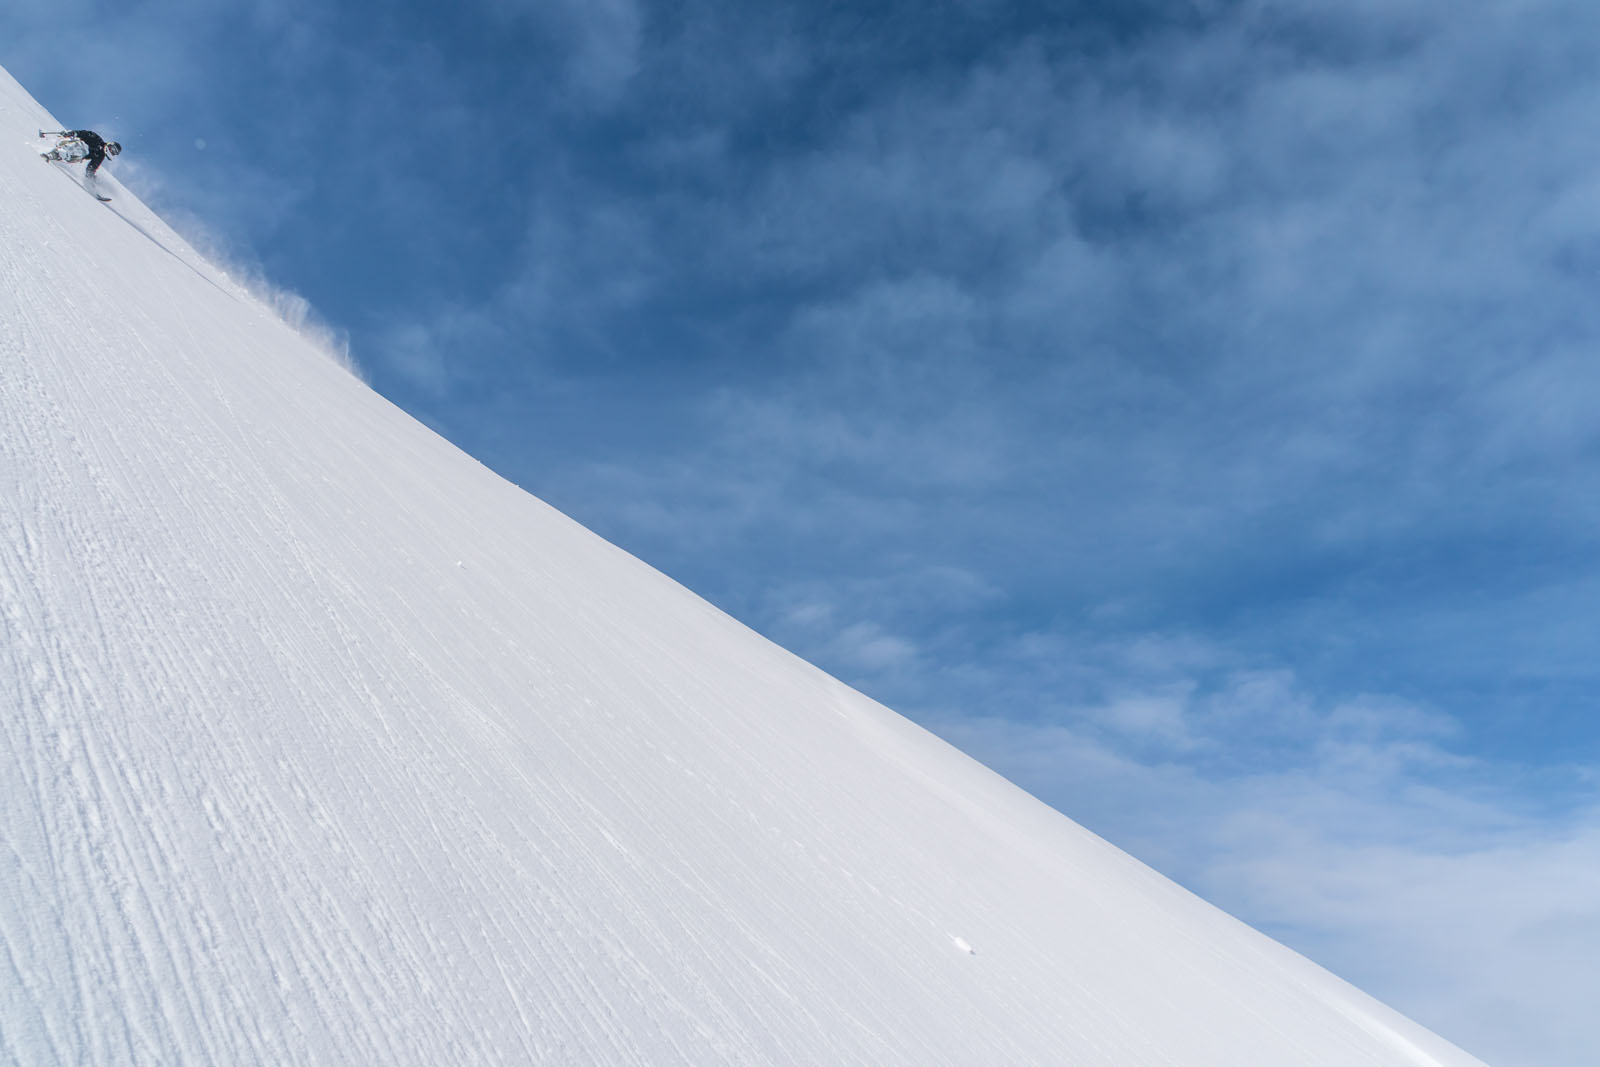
x: 322, y: 744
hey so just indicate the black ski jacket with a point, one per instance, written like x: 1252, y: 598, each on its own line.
x: 96, y: 145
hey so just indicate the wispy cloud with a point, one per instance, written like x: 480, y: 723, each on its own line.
x: 1352, y: 831
x: 600, y: 39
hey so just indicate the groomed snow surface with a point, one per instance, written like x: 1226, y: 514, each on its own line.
x: 322, y: 744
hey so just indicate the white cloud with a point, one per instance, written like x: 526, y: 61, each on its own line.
x: 1491, y: 940
x: 1159, y: 716
x: 1408, y: 868
x: 870, y: 648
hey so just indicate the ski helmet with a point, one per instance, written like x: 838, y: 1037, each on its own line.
x: 112, y: 148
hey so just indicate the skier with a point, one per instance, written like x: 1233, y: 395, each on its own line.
x: 99, y: 148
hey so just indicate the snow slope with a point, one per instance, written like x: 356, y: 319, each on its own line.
x: 322, y: 744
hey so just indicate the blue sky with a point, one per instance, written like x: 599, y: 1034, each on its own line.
x: 1187, y: 408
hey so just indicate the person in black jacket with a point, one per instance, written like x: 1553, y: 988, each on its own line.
x: 99, y: 148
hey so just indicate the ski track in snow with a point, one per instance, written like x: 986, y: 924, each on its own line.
x: 324, y: 745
